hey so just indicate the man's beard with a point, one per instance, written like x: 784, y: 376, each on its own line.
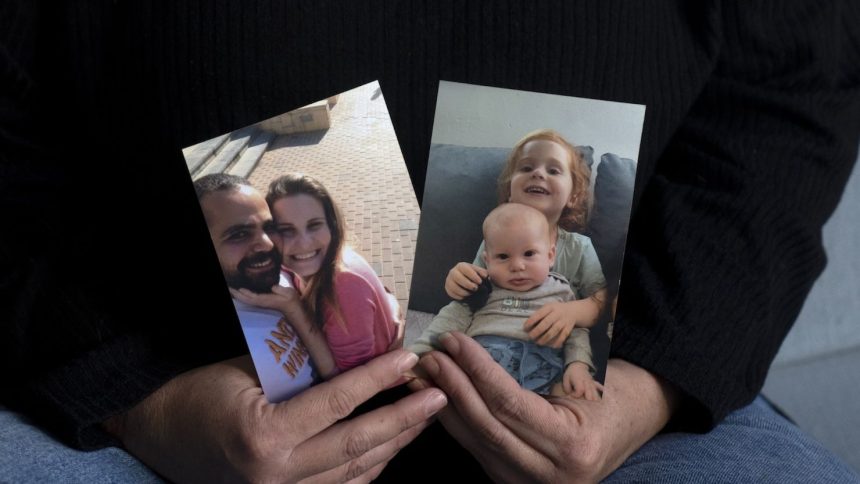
x: 261, y: 282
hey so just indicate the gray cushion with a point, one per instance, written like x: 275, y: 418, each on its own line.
x: 587, y: 154
x: 610, y: 213
x: 459, y: 191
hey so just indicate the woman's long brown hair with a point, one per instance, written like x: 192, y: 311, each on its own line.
x: 319, y: 292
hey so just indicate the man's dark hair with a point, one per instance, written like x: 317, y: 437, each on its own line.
x: 218, y: 182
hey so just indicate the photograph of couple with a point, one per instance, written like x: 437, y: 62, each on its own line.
x: 314, y: 273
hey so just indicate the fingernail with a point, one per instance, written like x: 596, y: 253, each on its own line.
x: 406, y: 362
x: 434, y: 402
x: 417, y: 384
x: 430, y: 366
x: 450, y: 343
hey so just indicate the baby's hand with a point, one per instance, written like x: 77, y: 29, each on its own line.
x: 551, y: 324
x: 463, y: 279
x: 577, y: 382
x: 283, y: 299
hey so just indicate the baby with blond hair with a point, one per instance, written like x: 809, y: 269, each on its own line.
x: 518, y: 253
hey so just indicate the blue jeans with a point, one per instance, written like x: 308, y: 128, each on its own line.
x: 753, y: 444
x: 533, y: 366
x: 27, y: 454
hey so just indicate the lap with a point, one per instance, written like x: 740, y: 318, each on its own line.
x: 753, y: 444
x: 28, y: 454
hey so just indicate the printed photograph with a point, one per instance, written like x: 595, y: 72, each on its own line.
x: 524, y: 219
x: 314, y: 221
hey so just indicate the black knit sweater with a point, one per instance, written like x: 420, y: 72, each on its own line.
x: 109, y: 283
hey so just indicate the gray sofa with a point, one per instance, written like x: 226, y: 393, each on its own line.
x: 460, y: 189
x: 815, y: 378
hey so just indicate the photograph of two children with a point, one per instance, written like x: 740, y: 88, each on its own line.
x: 518, y: 241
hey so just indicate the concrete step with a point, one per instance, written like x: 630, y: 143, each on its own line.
x: 235, y: 144
x: 252, y: 154
x: 196, y: 156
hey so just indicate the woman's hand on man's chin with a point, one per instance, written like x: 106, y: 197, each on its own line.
x: 283, y: 299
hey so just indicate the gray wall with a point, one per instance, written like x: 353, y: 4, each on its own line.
x: 470, y: 115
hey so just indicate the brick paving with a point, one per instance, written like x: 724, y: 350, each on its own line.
x: 359, y: 162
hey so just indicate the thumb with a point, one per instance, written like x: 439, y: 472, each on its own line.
x: 320, y: 406
x: 241, y: 295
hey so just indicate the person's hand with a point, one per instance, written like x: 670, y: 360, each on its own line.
x: 552, y: 323
x: 398, y: 339
x: 520, y: 436
x: 578, y: 383
x: 283, y: 299
x: 214, y: 424
x: 286, y: 301
x: 399, y: 324
x: 463, y: 279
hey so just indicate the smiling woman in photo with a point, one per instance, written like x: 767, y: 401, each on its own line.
x: 340, y: 291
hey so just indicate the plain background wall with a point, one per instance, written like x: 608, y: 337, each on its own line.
x: 470, y: 115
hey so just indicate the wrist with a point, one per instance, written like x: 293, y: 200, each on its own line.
x: 659, y: 397
x: 115, y: 426
x: 585, y: 312
x: 292, y: 309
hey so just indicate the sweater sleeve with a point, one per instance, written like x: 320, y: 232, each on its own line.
x: 726, y: 241
x: 588, y: 273
x: 456, y: 316
x: 84, y: 332
x: 577, y: 347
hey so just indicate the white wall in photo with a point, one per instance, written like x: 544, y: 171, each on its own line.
x: 470, y: 115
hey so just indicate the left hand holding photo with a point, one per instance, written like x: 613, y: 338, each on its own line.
x: 518, y: 435
x: 214, y: 424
